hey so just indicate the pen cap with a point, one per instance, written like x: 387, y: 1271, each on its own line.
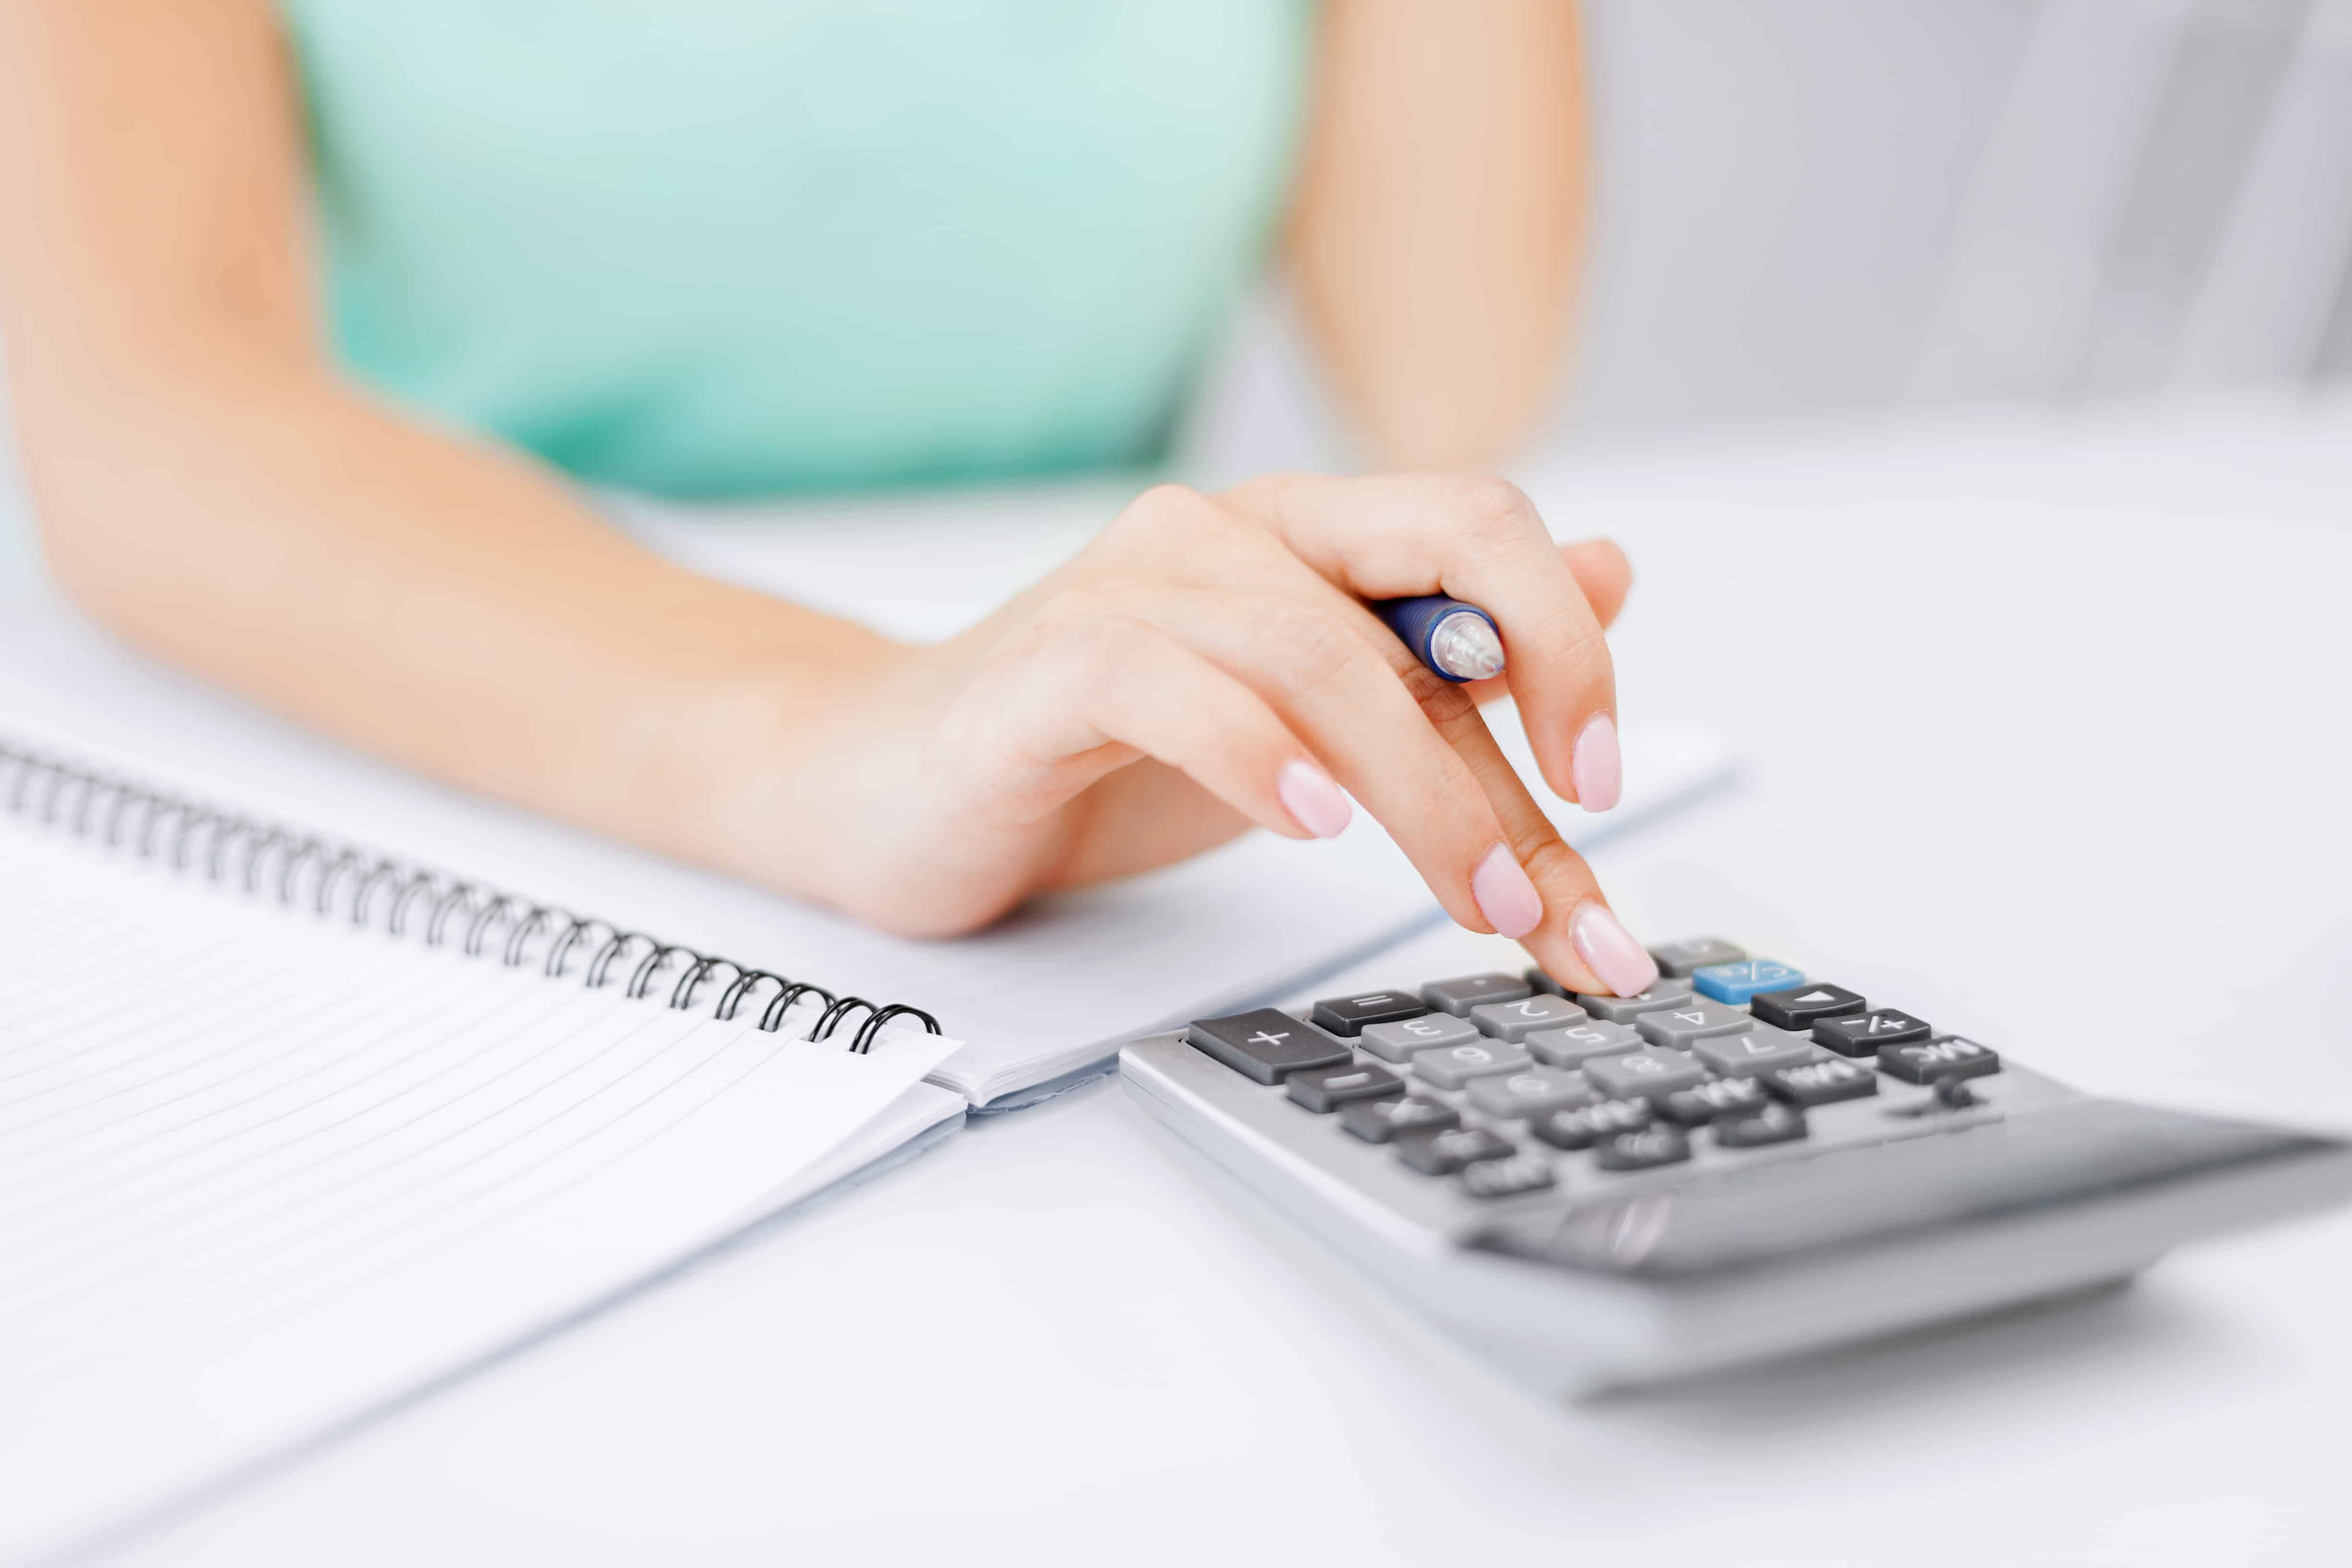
x: 1458, y: 641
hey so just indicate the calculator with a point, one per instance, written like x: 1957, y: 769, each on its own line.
x: 1745, y: 1161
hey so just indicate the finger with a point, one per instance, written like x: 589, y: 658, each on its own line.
x: 1331, y: 686
x: 1580, y: 940
x: 1479, y: 540
x: 1092, y: 693
x: 1601, y: 569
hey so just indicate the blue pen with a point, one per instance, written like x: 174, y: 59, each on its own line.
x: 1459, y: 641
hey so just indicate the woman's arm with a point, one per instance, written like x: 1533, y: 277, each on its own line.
x: 1434, y: 239
x: 210, y: 487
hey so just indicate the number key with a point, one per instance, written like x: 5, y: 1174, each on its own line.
x: 1457, y: 1065
x: 1398, y: 1041
x: 1514, y: 1021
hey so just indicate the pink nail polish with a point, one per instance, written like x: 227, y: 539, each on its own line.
x: 1506, y: 897
x: 1313, y: 800
x: 1595, y: 768
x: 1610, y: 950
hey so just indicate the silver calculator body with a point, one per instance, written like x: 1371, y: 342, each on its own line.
x: 1927, y: 1197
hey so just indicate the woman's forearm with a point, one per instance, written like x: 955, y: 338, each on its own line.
x: 421, y: 595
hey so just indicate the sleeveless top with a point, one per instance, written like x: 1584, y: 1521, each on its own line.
x: 715, y: 247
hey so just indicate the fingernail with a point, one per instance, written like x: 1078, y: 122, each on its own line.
x: 1506, y: 897
x: 1610, y: 950
x: 1595, y: 768
x: 1314, y: 802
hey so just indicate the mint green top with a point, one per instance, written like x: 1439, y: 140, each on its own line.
x: 712, y: 247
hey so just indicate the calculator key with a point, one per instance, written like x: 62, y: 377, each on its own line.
x: 1665, y: 992
x: 1652, y: 1146
x: 1529, y: 1093
x: 1700, y: 1103
x: 1770, y: 1123
x: 1379, y: 1120
x: 1508, y: 1177
x: 1753, y: 1050
x: 1323, y: 1090
x: 1679, y: 958
x: 1517, y: 1020
x: 1823, y: 1082
x: 1949, y: 1056
x: 1578, y: 1043
x: 1863, y: 1034
x: 1397, y: 1042
x: 1265, y: 1044
x: 1457, y: 1065
x: 1696, y: 1019
x: 1443, y: 1154
x: 1803, y: 1006
x: 1458, y: 997
x: 1347, y: 1016
x: 1586, y: 1125
x: 1646, y: 1073
x: 1737, y: 983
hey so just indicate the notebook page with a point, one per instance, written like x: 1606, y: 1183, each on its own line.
x: 258, y: 1171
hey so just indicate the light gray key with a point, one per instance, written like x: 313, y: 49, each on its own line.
x: 1457, y: 1065
x: 1679, y: 958
x: 1756, y: 1049
x: 1515, y: 1021
x: 1457, y: 996
x: 1696, y: 1019
x: 1625, y: 1009
x: 1570, y: 1046
x: 1530, y: 1093
x: 1645, y: 1074
x: 1398, y: 1041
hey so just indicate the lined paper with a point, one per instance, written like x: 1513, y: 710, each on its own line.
x: 258, y: 1169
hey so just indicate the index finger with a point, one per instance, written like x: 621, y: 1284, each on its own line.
x: 1479, y: 540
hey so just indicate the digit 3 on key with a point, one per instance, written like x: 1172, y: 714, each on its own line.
x: 1458, y: 641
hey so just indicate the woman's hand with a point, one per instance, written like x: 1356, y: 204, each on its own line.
x: 1206, y: 664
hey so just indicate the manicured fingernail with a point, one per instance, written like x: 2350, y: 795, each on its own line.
x: 1610, y: 950
x: 1506, y: 897
x: 1596, y: 769
x: 1314, y: 802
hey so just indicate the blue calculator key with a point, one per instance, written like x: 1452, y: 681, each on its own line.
x: 1737, y: 984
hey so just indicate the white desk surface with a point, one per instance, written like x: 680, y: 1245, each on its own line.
x: 2049, y: 741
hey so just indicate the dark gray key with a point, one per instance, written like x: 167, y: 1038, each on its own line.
x: 1803, y: 1006
x: 1508, y: 1177
x: 1379, y: 1120
x: 1863, y: 1034
x: 1457, y: 1065
x: 1265, y: 1044
x: 1933, y: 1061
x: 1756, y: 1049
x: 1347, y: 1016
x: 1699, y: 1104
x: 1443, y: 1154
x: 1625, y: 1009
x: 1658, y: 1146
x: 1398, y: 1041
x: 1577, y: 1044
x: 1643, y: 1074
x: 1679, y: 958
x: 1529, y: 1093
x: 1586, y: 1125
x: 1823, y: 1082
x: 1457, y: 996
x: 1323, y: 1090
x: 1773, y: 1123
x: 1515, y: 1021
x: 1696, y: 1019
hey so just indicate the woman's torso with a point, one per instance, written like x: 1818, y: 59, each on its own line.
x: 734, y: 246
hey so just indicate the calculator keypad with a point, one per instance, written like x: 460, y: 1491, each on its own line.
x: 1504, y: 1086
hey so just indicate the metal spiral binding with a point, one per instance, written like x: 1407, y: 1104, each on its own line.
x: 334, y: 880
